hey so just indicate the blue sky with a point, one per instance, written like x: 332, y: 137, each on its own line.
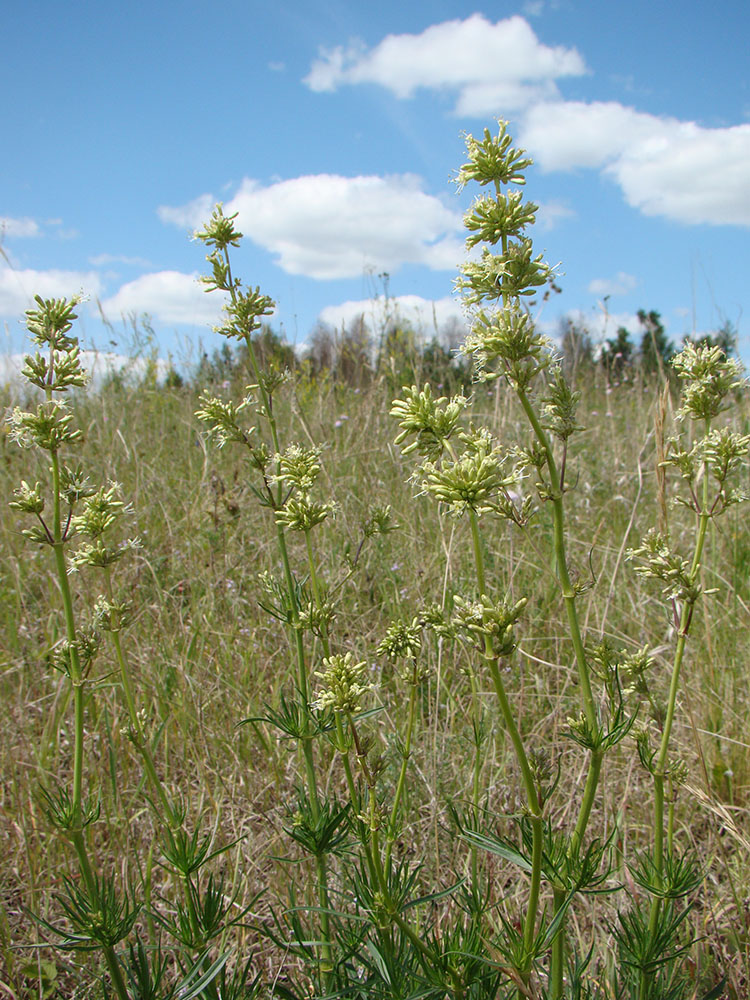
x: 334, y: 129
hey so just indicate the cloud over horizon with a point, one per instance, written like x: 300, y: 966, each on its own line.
x: 166, y: 296
x: 18, y: 286
x: 326, y: 226
x: 425, y: 316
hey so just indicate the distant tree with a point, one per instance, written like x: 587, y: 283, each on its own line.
x: 656, y: 349
x: 354, y: 352
x: 217, y: 368
x: 271, y: 350
x: 443, y: 369
x: 452, y: 333
x: 173, y: 379
x: 725, y: 338
x: 617, y: 356
x: 321, y: 349
x: 576, y: 347
x: 345, y: 355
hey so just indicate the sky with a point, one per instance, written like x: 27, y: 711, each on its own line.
x: 335, y: 129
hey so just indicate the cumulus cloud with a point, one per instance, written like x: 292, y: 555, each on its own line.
x: 601, y: 325
x: 18, y: 228
x: 19, y: 286
x: 621, y: 284
x: 191, y: 216
x: 491, y: 68
x: 98, y: 365
x: 664, y: 167
x: 167, y: 296
x: 551, y: 213
x: 426, y: 316
x: 326, y: 226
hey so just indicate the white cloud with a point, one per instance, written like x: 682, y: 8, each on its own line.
x: 601, y: 325
x: 97, y: 364
x: 426, y: 316
x: 191, y: 216
x: 326, y: 226
x: 18, y: 228
x: 19, y: 286
x: 551, y: 213
x: 664, y: 167
x: 621, y: 284
x: 493, y: 68
x: 167, y: 296
x: 563, y: 135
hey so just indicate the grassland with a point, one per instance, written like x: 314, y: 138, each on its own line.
x: 206, y: 656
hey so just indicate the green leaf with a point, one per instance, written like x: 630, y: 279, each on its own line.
x: 496, y: 846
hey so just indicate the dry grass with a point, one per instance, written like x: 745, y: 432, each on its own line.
x: 206, y: 657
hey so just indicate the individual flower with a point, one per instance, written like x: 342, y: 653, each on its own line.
x: 709, y: 375
x: 50, y: 323
x: 111, y: 616
x: 402, y: 640
x: 343, y: 681
x: 297, y: 467
x: 476, y: 481
x: 302, y: 513
x: 28, y: 499
x: 493, y: 216
x: 431, y: 420
x: 506, y: 342
x: 223, y: 419
x: 487, y: 619
x: 49, y: 428
x: 653, y: 559
x: 493, y: 160
x: 101, y: 510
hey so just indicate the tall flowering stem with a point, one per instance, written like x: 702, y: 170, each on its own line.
x: 505, y: 344
x: 101, y: 918
x: 706, y: 471
x: 244, y: 312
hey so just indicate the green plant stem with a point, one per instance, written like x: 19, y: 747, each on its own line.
x: 561, y: 561
x: 302, y: 680
x: 141, y: 739
x: 660, y: 764
x: 77, y: 681
x: 557, y: 956
x: 391, y: 831
x: 76, y: 677
x: 532, y: 796
x: 584, y: 678
x: 476, y: 707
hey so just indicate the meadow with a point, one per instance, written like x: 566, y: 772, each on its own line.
x: 323, y: 690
